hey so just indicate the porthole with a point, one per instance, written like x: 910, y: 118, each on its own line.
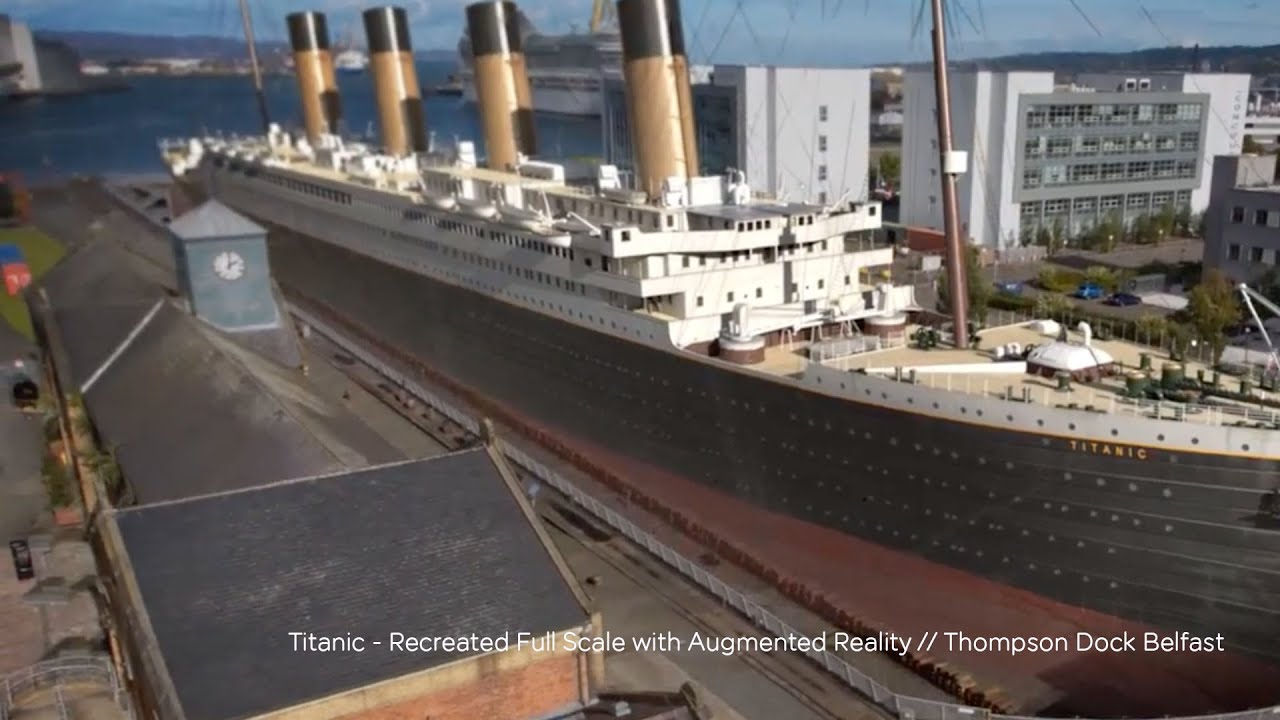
x: 1009, y: 418
x: 1245, y: 447
x: 912, y: 401
x: 1114, y: 432
x: 1133, y: 487
x: 935, y: 406
x: 867, y: 391
x: 1102, y: 482
x: 1166, y: 492
x: 1195, y: 441
x: 1066, y: 476
x: 1071, y: 426
x: 1160, y: 437
x: 1040, y: 422
x: 979, y: 413
x: 964, y: 411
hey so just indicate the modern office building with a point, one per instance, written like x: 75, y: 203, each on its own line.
x: 1242, y: 224
x: 1062, y: 157
x: 802, y: 133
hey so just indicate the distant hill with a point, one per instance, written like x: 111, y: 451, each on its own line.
x: 1260, y: 60
x: 103, y: 46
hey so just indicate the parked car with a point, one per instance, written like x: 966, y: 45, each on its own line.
x: 1123, y: 300
x: 1088, y: 291
x: 1009, y: 288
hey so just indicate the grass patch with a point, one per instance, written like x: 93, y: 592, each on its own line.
x: 41, y: 253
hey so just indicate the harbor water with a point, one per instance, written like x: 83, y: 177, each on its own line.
x: 47, y: 139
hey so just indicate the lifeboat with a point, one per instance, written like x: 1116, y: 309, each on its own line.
x: 477, y: 208
x: 440, y: 202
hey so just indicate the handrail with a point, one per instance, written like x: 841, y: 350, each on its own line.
x: 902, y: 706
x: 56, y: 673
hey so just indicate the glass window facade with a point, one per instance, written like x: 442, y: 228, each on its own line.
x: 1106, y: 153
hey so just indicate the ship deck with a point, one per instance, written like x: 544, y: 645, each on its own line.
x: 975, y: 372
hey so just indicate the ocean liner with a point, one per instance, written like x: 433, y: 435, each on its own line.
x: 747, y: 358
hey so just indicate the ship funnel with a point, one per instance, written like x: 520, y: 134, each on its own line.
x: 659, y: 98
x: 313, y: 64
x: 400, y: 116
x: 502, y: 83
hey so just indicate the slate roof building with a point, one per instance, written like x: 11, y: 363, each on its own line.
x: 445, y: 547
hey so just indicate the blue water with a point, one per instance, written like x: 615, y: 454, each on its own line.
x: 50, y: 138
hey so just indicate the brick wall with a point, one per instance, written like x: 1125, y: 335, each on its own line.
x: 546, y: 685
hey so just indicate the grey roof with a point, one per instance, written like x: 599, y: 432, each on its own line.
x: 190, y: 412
x: 438, y: 547
x: 213, y: 220
x: 96, y: 300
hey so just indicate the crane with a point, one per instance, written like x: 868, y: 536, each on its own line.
x: 1249, y: 296
x: 602, y: 13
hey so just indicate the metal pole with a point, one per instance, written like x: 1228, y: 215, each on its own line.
x: 247, y: 21
x: 956, y: 249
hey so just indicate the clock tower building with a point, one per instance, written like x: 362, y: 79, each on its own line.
x: 222, y: 267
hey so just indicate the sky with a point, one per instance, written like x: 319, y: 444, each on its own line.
x: 824, y: 32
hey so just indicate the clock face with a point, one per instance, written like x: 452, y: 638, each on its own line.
x: 228, y: 266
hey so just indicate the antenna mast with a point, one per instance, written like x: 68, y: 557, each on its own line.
x: 952, y: 164
x: 247, y: 21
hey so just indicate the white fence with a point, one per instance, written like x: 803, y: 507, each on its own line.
x: 903, y: 706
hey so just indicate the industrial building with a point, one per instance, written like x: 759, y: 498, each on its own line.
x: 255, y: 526
x: 31, y: 65
x: 798, y: 133
x: 1242, y: 227
x: 1063, y: 157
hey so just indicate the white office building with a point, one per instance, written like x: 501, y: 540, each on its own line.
x: 1046, y: 155
x: 799, y: 133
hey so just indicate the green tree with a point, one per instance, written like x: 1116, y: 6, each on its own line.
x: 1151, y: 328
x: 889, y: 168
x: 1250, y: 146
x: 1183, y: 222
x: 1051, y: 306
x: 1212, y: 308
x: 1165, y: 223
x: 1103, y: 277
x: 979, y: 290
x: 1105, y: 233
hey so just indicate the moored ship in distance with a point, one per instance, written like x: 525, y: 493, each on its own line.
x: 565, y: 71
x: 739, y: 358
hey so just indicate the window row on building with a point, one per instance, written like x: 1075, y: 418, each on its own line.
x: 1086, y: 146
x: 1068, y: 115
x: 1105, y: 204
x: 1089, y: 173
x: 731, y: 296
x: 1254, y: 254
x: 1261, y: 217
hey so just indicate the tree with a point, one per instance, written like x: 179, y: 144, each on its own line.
x: 979, y: 290
x: 1165, y: 223
x: 1250, y: 146
x: 1212, y: 307
x: 1103, y: 277
x: 1104, y: 234
x: 1183, y: 222
x: 889, y: 168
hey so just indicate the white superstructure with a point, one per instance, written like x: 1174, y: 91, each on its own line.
x: 1052, y: 156
x: 350, y: 61
x: 707, y: 262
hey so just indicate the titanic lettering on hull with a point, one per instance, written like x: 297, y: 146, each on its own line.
x: 1093, y: 447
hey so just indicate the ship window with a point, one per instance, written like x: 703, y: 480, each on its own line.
x: 685, y: 261
x: 699, y: 301
x: 820, y: 284
x: 760, y: 293
x: 847, y: 280
x: 729, y: 297
x: 671, y: 220
x: 626, y: 236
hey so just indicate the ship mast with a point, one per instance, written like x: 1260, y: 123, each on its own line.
x: 951, y: 165
x: 247, y: 22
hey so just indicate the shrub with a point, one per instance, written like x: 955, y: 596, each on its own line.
x: 1059, y: 280
x: 57, y: 482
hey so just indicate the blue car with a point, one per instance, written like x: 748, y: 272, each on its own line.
x: 1123, y: 300
x: 1088, y: 291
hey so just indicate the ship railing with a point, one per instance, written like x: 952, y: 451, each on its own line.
x: 1090, y: 399
x: 902, y: 706
x: 57, y: 673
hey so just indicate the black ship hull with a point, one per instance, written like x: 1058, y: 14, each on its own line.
x: 987, y: 502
